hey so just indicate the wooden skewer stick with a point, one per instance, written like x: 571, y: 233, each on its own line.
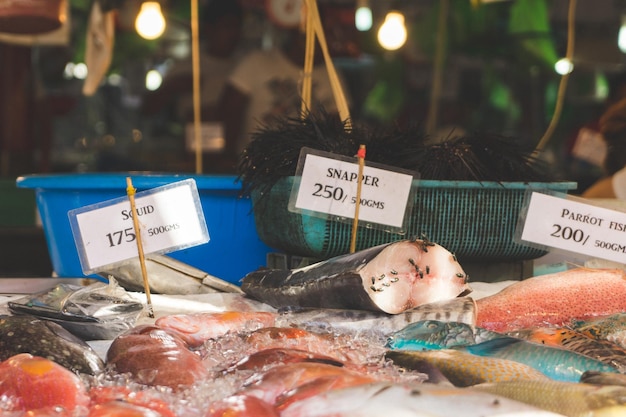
x: 130, y: 190
x: 195, y: 62
x: 355, y: 222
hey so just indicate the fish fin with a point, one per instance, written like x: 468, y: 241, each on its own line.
x: 433, y: 373
x: 488, y: 347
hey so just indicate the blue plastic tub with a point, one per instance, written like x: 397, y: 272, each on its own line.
x: 234, y: 248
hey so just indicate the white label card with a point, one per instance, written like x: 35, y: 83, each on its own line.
x: 575, y: 227
x: 170, y: 218
x: 329, y: 186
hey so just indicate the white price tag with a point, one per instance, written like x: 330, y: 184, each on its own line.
x: 170, y: 218
x: 575, y: 226
x: 328, y: 185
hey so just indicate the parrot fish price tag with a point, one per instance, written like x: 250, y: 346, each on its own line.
x: 575, y: 226
x: 170, y: 218
x: 328, y: 187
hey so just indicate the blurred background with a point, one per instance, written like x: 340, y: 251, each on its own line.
x: 498, y: 73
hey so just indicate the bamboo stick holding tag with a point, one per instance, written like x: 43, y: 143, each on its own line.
x: 355, y: 222
x: 130, y: 190
x: 195, y: 61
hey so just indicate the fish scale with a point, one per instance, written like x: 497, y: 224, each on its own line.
x: 611, y: 328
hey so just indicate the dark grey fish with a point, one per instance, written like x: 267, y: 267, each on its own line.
x: 27, y: 334
x: 392, y: 278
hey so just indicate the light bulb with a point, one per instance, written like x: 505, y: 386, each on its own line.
x: 363, y: 18
x: 392, y: 34
x: 150, y: 23
x: 564, y: 66
x: 621, y: 36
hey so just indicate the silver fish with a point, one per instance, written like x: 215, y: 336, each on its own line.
x: 391, y: 278
x: 167, y: 275
x: 410, y: 400
x: 460, y: 309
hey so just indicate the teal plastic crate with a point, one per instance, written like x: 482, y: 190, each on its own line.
x: 474, y: 220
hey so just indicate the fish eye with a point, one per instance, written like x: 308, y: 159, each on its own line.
x: 431, y: 325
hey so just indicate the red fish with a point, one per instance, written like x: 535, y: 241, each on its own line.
x: 241, y: 406
x: 554, y: 299
x: 122, y: 409
x: 294, y: 338
x: 34, y: 384
x: 257, y: 361
x: 277, y: 383
x: 195, y: 329
x: 154, y: 356
x: 103, y: 396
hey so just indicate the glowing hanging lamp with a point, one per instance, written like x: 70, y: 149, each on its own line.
x: 392, y: 34
x: 150, y: 23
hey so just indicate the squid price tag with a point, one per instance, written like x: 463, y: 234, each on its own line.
x: 170, y: 218
x: 327, y: 187
x: 575, y: 226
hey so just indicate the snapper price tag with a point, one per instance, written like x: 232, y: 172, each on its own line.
x: 170, y: 218
x: 575, y: 226
x: 328, y: 187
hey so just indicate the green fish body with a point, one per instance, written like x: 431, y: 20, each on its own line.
x: 435, y: 334
x: 558, y: 364
x: 463, y: 369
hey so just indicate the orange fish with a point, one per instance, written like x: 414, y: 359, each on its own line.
x: 554, y: 299
x: 30, y: 383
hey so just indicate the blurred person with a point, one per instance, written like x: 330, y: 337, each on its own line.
x: 613, y: 128
x: 585, y: 148
x: 221, y: 25
x: 266, y: 86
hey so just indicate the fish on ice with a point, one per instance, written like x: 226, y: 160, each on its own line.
x: 410, y: 400
x: 554, y: 299
x: 459, y: 309
x: 572, y: 399
x: 435, y: 334
x: 391, y: 278
x: 464, y: 369
x: 38, y: 385
x: 600, y: 349
x: 556, y: 363
x: 44, y: 338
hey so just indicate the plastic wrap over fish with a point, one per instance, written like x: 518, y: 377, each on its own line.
x: 96, y: 312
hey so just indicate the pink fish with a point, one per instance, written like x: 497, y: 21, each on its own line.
x: 554, y: 299
x: 197, y: 328
x: 154, y: 356
x: 37, y: 385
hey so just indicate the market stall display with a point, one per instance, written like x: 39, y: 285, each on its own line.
x: 211, y: 354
